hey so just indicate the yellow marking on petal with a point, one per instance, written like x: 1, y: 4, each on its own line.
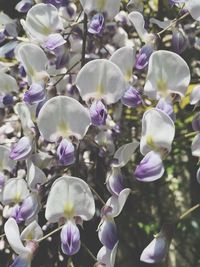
x: 150, y: 142
x: 162, y: 87
x: 128, y: 74
x: 69, y: 210
x: 46, y: 30
x: 100, y: 90
x: 63, y: 128
x: 101, y: 5
x: 17, y: 198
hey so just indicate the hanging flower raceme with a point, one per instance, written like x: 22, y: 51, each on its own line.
x: 157, y: 250
x: 69, y: 198
x: 24, y: 245
x: 43, y: 25
x: 154, y: 144
x: 167, y: 73
x: 109, y: 7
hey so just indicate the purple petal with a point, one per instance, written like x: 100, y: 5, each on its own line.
x: 108, y: 234
x: 22, y: 149
x: 70, y: 238
x: 166, y: 107
x: 142, y: 59
x: 96, y: 24
x: 150, y: 168
x: 98, y: 113
x: 65, y: 152
x: 21, y: 261
x: 53, y: 41
x: 35, y: 94
x: 132, y: 98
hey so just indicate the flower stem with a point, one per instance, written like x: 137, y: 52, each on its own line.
x: 50, y: 234
x: 189, y: 211
x: 88, y: 251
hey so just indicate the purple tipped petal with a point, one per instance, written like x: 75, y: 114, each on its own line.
x: 70, y: 238
x: 65, y: 152
x: 53, y: 41
x: 142, y: 59
x: 166, y: 107
x: 132, y: 98
x: 96, y: 24
x: 108, y: 234
x: 22, y: 149
x: 156, y: 251
x: 24, y: 5
x: 150, y: 168
x: 35, y: 94
x: 115, y: 182
x: 98, y: 113
x: 26, y: 210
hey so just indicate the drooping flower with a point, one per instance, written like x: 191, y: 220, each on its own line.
x: 157, y: 250
x: 30, y: 235
x: 101, y: 79
x: 167, y: 73
x: 69, y: 198
x: 63, y: 116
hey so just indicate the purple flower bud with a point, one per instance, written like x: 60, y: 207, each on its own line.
x: 70, y: 238
x: 166, y: 107
x: 196, y: 122
x: 35, y: 94
x: 150, y: 168
x: 53, y: 41
x: 156, y: 251
x: 142, y: 59
x: 98, y: 113
x: 2, y: 180
x: 22, y: 149
x: 22, y: 71
x: 96, y: 24
x: 8, y: 100
x: 108, y: 234
x: 26, y: 210
x: 65, y: 152
x: 179, y: 41
x: 115, y: 182
x: 132, y: 98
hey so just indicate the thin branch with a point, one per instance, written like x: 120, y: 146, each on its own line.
x: 85, y: 30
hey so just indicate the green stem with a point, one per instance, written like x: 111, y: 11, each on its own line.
x: 88, y: 251
x: 189, y: 211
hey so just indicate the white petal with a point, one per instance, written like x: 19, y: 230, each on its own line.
x: 100, y: 78
x: 5, y: 162
x: 124, y: 154
x: 158, y: 131
x: 41, y: 21
x: 35, y: 176
x: 107, y: 256
x: 63, y: 116
x: 69, y: 197
x: 32, y: 232
x: 162, y: 24
x: 138, y: 21
x: 167, y: 73
x: 124, y: 58
x: 196, y: 146
x: 193, y: 7
x: 195, y: 95
x: 15, y: 191
x: 117, y: 203
x: 32, y: 58
x: 111, y: 7
x: 25, y: 117
x: 8, y: 83
x: 12, y: 234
